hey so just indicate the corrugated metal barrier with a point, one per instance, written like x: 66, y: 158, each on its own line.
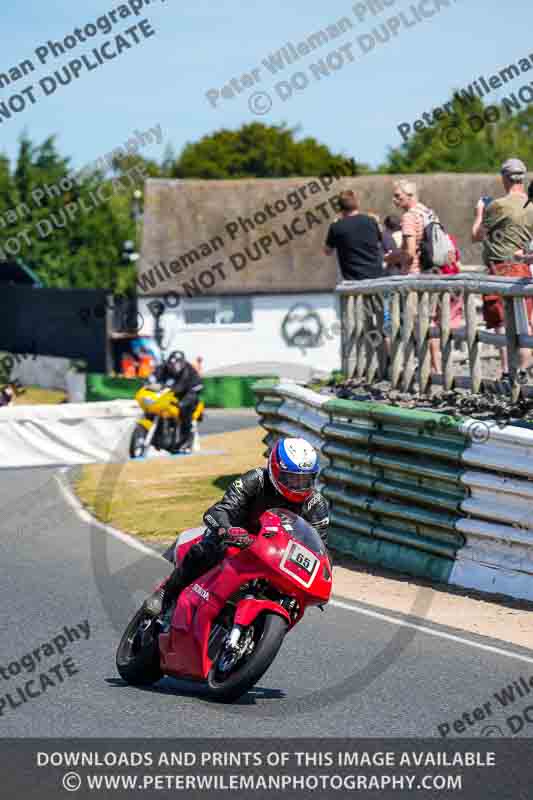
x: 419, y: 492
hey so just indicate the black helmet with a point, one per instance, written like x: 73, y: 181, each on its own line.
x: 176, y: 362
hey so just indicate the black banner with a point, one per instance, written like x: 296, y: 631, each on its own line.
x: 473, y: 769
x: 67, y: 323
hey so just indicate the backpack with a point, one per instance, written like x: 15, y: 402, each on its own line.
x: 435, y: 244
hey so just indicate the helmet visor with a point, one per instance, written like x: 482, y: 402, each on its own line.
x: 175, y: 364
x: 297, y: 481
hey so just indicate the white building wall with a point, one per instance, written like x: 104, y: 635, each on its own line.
x: 251, y: 348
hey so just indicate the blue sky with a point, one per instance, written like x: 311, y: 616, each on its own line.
x: 201, y: 46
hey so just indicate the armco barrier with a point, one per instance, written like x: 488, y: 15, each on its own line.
x: 410, y: 490
x: 220, y: 391
x: 69, y: 433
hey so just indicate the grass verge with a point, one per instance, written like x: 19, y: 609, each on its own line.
x: 35, y: 396
x: 157, y: 498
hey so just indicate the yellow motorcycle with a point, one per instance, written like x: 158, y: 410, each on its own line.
x: 160, y: 425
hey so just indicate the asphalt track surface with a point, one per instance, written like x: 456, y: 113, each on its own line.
x: 351, y: 671
x: 224, y: 421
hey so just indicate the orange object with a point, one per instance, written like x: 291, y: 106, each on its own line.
x: 146, y: 366
x: 128, y: 366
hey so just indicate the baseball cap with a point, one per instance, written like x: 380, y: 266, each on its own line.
x: 513, y: 168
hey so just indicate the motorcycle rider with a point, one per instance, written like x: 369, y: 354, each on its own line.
x: 287, y: 482
x: 183, y: 379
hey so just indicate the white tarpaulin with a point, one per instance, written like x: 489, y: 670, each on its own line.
x: 68, y: 433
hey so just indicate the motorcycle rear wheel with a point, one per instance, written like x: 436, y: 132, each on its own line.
x: 137, y: 443
x: 138, y: 660
x: 269, y: 632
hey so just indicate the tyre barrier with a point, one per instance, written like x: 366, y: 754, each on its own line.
x: 422, y: 493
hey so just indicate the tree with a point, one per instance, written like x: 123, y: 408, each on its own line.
x: 64, y: 236
x: 259, y: 151
x: 70, y: 240
x: 474, y: 139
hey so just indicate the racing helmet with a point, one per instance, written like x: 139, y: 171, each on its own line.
x: 293, y: 467
x: 175, y: 363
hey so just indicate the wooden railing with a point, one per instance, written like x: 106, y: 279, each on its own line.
x: 412, y: 303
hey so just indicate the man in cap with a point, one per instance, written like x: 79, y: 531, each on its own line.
x: 505, y: 226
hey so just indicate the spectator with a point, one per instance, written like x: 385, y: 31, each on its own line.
x: 456, y: 305
x: 505, y: 227
x: 392, y: 243
x: 392, y: 233
x: 405, y: 197
x: 357, y: 240
x: 146, y: 364
x: 6, y: 395
x: 198, y: 365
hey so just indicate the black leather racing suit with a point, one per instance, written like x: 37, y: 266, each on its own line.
x: 187, y: 387
x: 245, y: 500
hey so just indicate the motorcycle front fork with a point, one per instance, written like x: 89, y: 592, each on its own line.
x: 151, y: 434
x: 234, y: 637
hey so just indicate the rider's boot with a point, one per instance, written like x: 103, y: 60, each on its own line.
x: 153, y: 605
x: 182, y: 446
x: 166, y: 617
x: 161, y: 605
x: 184, y: 443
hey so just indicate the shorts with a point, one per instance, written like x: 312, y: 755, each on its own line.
x: 493, y: 310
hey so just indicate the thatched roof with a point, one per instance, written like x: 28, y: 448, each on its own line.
x: 194, y: 230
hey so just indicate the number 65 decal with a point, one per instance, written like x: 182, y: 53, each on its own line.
x: 296, y: 558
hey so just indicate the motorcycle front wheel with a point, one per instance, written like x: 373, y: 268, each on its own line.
x: 138, y: 660
x: 138, y: 442
x: 228, y: 681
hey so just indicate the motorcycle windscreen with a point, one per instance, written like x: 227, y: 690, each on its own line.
x: 297, y: 528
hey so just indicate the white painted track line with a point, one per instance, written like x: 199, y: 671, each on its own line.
x: 83, y: 514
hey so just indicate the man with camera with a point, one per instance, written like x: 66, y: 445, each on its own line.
x: 505, y: 226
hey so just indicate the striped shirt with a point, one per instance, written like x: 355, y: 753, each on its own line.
x: 413, y: 225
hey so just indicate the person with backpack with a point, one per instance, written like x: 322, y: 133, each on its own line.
x: 425, y: 243
x: 453, y: 267
x: 426, y: 248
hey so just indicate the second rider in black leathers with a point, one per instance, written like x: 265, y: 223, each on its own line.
x: 186, y: 384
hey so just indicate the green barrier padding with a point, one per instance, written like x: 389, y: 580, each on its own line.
x: 394, y: 482
x: 429, y: 540
x: 391, y: 556
x: 225, y: 391
x: 231, y: 391
x: 430, y: 421
x: 105, y: 388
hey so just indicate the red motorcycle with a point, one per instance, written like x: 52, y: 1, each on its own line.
x: 228, y: 626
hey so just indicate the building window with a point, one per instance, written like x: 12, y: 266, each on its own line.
x: 217, y: 311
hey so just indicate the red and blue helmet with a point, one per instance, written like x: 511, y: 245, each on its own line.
x: 293, y: 467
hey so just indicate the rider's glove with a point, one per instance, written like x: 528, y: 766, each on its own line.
x: 235, y: 537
